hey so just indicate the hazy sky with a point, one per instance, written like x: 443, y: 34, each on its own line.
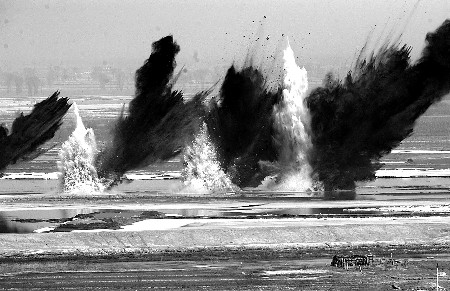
x: 218, y: 31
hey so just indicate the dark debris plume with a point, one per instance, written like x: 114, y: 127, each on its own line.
x: 30, y: 132
x: 240, y: 125
x: 158, y: 123
x: 358, y: 120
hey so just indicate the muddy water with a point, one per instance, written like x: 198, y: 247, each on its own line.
x: 70, y: 214
x: 69, y: 219
x: 37, y: 205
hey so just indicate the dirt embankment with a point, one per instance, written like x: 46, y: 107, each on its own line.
x: 238, y: 237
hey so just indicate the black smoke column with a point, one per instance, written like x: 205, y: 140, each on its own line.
x: 358, y: 120
x: 158, y: 123
x: 240, y: 124
x: 29, y: 132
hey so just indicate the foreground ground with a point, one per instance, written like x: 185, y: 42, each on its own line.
x: 418, y: 273
x: 251, y: 241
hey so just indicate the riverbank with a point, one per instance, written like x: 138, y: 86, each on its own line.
x: 222, y: 238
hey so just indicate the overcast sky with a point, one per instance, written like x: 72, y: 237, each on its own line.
x: 217, y: 31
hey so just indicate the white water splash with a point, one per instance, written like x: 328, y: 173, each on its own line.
x: 77, y: 155
x: 202, y: 172
x: 291, y: 120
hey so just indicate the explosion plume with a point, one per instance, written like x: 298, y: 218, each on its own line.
x: 77, y: 156
x: 291, y: 126
x: 363, y: 117
x: 240, y: 125
x: 202, y: 171
x: 30, y: 132
x: 158, y: 123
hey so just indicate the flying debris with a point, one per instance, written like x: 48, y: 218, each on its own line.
x: 240, y: 125
x: 355, y: 121
x: 158, y: 124
x: 30, y: 132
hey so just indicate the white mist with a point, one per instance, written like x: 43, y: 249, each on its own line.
x: 77, y: 156
x: 291, y: 121
x: 202, y: 171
